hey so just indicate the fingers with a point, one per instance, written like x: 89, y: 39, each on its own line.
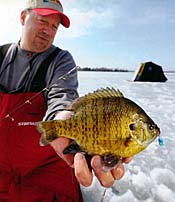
x: 127, y: 160
x: 118, y: 172
x: 105, y: 177
x: 85, y: 177
x: 59, y: 145
x: 63, y: 115
x: 82, y: 172
x: 108, y: 177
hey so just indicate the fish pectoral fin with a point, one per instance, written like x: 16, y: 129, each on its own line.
x: 72, y: 148
x: 111, y: 161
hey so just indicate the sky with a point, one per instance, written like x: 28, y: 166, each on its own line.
x: 107, y: 33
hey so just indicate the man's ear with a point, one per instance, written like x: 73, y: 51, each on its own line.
x: 23, y: 16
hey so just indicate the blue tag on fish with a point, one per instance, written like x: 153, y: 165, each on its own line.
x: 161, y: 141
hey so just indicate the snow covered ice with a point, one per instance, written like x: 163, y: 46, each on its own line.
x: 150, y: 177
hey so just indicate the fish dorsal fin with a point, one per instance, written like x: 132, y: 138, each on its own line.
x: 100, y: 93
x: 104, y: 93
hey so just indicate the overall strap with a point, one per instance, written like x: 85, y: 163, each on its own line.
x: 38, y: 82
x: 3, y: 51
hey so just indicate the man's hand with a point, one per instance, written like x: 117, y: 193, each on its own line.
x: 78, y: 161
x: 82, y: 171
x: 106, y: 178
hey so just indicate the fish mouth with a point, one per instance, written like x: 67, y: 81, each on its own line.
x: 158, y: 131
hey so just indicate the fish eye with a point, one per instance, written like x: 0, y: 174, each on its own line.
x: 131, y: 126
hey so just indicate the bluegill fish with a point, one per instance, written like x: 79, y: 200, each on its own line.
x: 104, y: 123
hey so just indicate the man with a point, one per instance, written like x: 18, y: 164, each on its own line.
x: 37, y: 81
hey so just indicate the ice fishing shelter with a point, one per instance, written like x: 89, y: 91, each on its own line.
x: 151, y: 72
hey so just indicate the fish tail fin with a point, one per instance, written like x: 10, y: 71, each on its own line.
x: 48, y: 130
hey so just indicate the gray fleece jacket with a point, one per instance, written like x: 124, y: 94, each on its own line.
x: 19, y: 68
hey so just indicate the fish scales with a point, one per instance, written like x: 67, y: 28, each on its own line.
x: 104, y: 122
x: 91, y: 122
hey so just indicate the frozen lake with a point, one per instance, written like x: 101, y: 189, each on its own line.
x: 150, y: 177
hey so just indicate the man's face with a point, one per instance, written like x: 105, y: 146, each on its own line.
x: 38, y: 31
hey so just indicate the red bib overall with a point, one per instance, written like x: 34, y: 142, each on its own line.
x: 29, y: 172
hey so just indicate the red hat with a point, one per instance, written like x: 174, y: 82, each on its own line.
x: 48, y: 7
